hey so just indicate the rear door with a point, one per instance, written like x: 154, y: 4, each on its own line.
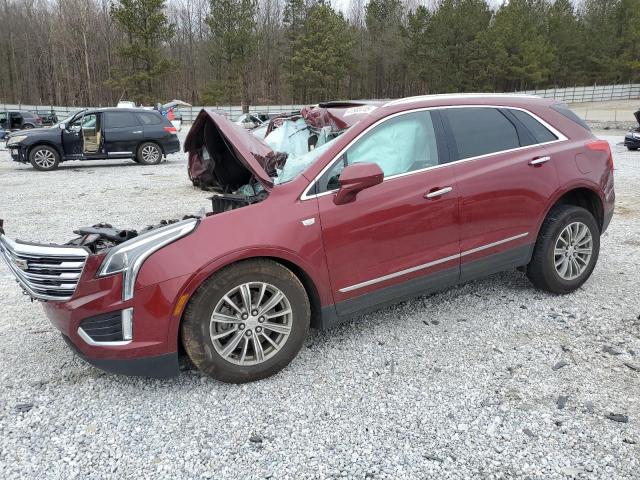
x: 505, y: 180
x: 122, y: 134
x: 401, y: 236
x: 152, y: 125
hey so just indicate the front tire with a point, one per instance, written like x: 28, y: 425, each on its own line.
x: 632, y: 149
x: 44, y: 158
x: 149, y: 153
x: 247, y: 322
x: 566, y: 251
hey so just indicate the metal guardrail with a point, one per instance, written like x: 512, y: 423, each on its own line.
x: 593, y: 93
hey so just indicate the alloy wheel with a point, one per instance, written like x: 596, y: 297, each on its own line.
x: 251, y: 323
x: 573, y: 250
x: 150, y: 154
x: 44, y: 158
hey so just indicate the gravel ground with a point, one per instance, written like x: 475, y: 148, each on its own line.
x: 492, y: 379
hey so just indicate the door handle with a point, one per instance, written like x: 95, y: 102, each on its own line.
x: 137, y: 131
x: 438, y: 193
x: 539, y: 161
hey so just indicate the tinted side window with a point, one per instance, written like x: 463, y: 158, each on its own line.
x: 400, y: 145
x: 120, y: 119
x: 539, y: 131
x: 149, y: 118
x: 479, y: 131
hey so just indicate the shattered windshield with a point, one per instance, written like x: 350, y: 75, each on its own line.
x: 296, y: 164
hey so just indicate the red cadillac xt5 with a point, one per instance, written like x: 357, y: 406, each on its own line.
x: 389, y: 200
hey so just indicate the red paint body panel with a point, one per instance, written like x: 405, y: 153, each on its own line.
x: 390, y: 227
x: 502, y: 196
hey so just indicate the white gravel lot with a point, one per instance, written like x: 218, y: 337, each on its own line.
x: 460, y: 384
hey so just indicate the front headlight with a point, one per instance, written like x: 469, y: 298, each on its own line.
x: 129, y: 256
x: 636, y: 135
x: 16, y: 139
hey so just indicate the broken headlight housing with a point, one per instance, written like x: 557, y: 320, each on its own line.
x: 129, y: 256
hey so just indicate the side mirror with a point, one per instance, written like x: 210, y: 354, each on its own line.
x: 62, y: 126
x: 356, y: 178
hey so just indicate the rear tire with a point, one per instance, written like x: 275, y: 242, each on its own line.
x: 44, y: 158
x: 253, y: 339
x: 149, y: 153
x: 566, y: 250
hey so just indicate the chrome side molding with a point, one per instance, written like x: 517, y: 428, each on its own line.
x: 390, y: 276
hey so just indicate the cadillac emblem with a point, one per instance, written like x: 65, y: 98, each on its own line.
x: 21, y: 264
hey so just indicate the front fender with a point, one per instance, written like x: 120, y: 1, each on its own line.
x: 319, y: 278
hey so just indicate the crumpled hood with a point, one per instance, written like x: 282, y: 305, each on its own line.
x: 251, y: 152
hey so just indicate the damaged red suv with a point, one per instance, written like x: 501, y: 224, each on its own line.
x: 376, y: 202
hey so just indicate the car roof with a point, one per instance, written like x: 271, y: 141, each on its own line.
x: 13, y: 110
x: 506, y: 99
x: 120, y: 109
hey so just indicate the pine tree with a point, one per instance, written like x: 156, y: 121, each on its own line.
x: 321, y: 55
x: 233, y: 40
x: 146, y: 27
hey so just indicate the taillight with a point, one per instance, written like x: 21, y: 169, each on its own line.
x: 602, y: 146
x: 171, y: 129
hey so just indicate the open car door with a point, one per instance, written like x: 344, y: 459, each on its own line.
x: 91, y: 135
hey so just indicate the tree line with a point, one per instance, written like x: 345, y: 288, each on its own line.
x: 217, y: 52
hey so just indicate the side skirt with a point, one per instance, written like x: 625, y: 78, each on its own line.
x: 333, y: 315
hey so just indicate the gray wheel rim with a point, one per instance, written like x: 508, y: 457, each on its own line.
x: 150, y: 154
x: 251, y: 323
x: 573, y: 250
x: 44, y: 158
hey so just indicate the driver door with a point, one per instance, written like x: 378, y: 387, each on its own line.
x: 400, y: 237
x: 72, y: 139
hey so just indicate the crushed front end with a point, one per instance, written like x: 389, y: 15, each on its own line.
x: 86, y: 288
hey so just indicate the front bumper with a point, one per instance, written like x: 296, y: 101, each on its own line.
x: 150, y: 346
x: 153, y: 348
x: 18, y: 153
x: 159, y: 366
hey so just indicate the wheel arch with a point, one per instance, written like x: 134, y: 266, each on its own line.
x: 191, y: 287
x: 583, y: 196
x: 47, y: 143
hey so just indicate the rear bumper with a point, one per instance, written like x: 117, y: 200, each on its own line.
x: 171, y: 145
x: 631, y: 142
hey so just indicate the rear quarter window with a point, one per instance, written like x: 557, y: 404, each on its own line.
x: 564, y: 110
x: 541, y: 133
x: 149, y: 118
x: 480, y: 131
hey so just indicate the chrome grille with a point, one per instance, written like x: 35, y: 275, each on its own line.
x: 45, y: 272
